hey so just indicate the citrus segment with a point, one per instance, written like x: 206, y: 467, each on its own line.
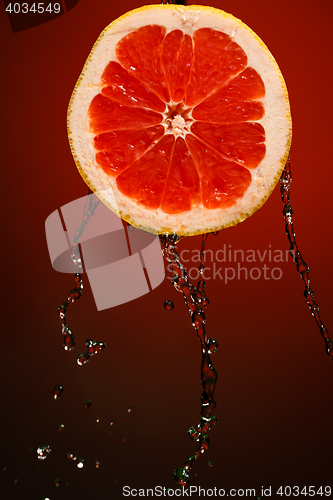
x: 182, y: 189
x: 237, y: 101
x: 144, y: 181
x: 119, y: 149
x: 223, y: 182
x: 177, y: 53
x: 106, y: 115
x: 120, y: 86
x: 180, y: 120
x: 240, y: 142
x: 216, y: 59
x: 140, y: 53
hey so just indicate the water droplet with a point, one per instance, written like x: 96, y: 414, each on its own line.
x: 61, y: 427
x: 71, y: 456
x: 168, y: 305
x: 130, y: 409
x: 205, y: 302
x: 189, y: 359
x: 87, y: 403
x: 43, y: 451
x: 93, y: 348
x: 97, y: 464
x: 212, y: 346
x: 57, y: 391
x: 97, y: 420
x: 57, y: 481
x: 130, y: 228
x: 16, y: 480
x: 181, y: 475
x: 83, y: 358
x: 112, y: 422
x: 80, y: 463
x: 201, y: 268
x: 209, y: 464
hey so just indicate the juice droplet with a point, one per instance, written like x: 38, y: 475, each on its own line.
x: 61, y: 427
x: 57, y: 391
x: 112, y: 422
x: 71, y: 456
x: 57, y: 481
x: 130, y: 409
x: 97, y: 464
x: 43, y: 451
x: 209, y: 464
x: 93, y: 348
x: 168, y: 305
x: 124, y: 440
x: 87, y: 403
x: 80, y: 463
x: 181, y: 475
x: 97, y: 420
x: 212, y: 346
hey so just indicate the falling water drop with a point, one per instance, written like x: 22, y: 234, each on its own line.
x: 97, y: 464
x: 43, y: 451
x: 181, y: 475
x: 57, y: 481
x: 112, y: 422
x: 169, y: 305
x: 61, y: 427
x: 57, y: 391
x: 130, y: 409
x: 80, y: 463
x: 71, y: 456
x: 87, y: 403
x: 212, y: 346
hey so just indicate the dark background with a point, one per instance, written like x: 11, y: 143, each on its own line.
x: 274, y: 390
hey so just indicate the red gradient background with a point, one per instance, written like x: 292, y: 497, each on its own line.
x: 274, y: 388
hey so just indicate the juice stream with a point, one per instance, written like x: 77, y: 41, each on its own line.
x: 194, y: 298
x: 301, y: 265
x: 69, y: 339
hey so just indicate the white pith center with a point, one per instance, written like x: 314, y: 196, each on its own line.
x: 177, y: 120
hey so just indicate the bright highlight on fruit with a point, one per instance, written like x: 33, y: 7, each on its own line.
x: 180, y: 120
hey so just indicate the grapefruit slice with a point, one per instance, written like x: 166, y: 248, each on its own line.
x: 180, y: 120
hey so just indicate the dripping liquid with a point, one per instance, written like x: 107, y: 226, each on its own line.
x: 301, y: 265
x: 195, y: 298
x: 75, y: 294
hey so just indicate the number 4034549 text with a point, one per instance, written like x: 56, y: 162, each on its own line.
x: 35, y: 8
